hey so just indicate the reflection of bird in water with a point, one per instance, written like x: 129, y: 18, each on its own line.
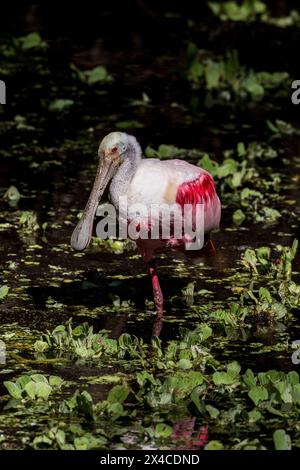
x: 169, y: 184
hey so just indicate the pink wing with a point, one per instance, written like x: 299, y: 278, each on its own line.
x: 202, y: 190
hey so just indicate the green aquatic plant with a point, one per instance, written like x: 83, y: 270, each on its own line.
x: 282, y: 440
x: 177, y: 381
x: 264, y: 307
x: 281, y: 128
x: 289, y: 293
x: 257, y: 260
x: 276, y: 262
x: 254, y: 152
x: 247, y: 10
x: 81, y: 340
x: 193, y: 377
x: 240, y: 184
x: 3, y: 291
x: 292, y: 19
x: 231, y: 173
x: 12, y: 196
x: 129, y: 124
x: 228, y: 78
x: 274, y: 389
x: 188, y: 293
x: 234, y: 316
x: 274, y: 265
x: 81, y: 403
x: 35, y: 386
x: 72, y: 437
x: 60, y: 105
x: 31, y: 41
x: 113, y: 245
x: 228, y: 377
x: 252, y: 10
x: 28, y: 221
x: 96, y: 75
x: 164, y: 151
x: 240, y: 180
x: 259, y: 305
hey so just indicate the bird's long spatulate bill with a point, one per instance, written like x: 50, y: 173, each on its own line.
x: 82, y: 234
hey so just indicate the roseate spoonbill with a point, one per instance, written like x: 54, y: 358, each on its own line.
x: 148, y: 181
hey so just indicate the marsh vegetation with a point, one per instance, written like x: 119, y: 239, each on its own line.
x: 83, y: 370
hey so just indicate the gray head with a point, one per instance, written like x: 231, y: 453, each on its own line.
x: 117, y: 145
x: 113, y: 150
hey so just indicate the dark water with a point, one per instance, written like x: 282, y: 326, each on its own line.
x: 57, y: 191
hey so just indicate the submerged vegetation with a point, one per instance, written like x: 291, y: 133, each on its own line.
x: 81, y: 364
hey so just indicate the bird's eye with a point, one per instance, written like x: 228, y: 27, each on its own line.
x: 114, y: 149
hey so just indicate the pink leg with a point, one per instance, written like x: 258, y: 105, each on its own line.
x: 147, y: 255
x: 157, y: 293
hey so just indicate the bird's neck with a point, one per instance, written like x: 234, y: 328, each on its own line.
x: 122, y: 179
